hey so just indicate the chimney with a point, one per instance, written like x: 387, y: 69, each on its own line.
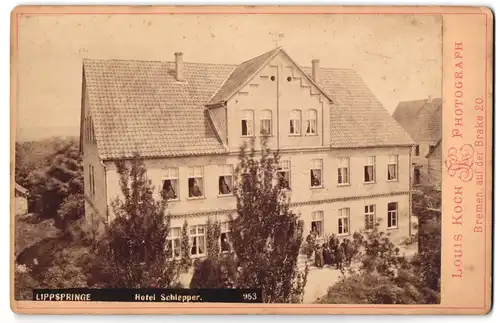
x: 315, y: 70
x: 179, y: 67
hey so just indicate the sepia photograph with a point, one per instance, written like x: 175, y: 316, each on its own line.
x: 299, y: 156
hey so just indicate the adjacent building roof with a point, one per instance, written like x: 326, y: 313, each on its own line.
x: 140, y: 107
x: 421, y: 118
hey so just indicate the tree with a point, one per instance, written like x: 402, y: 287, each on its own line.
x: 185, y: 261
x: 59, y: 183
x: 135, y: 252
x: 265, y: 235
x: 213, y: 236
x: 380, y: 275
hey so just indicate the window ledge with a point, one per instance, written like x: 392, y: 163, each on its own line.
x: 173, y: 200
x: 393, y: 180
x: 392, y: 228
x: 249, y: 136
x: 316, y: 187
x: 369, y: 183
x: 344, y: 184
x: 225, y: 195
x: 294, y: 135
x: 311, y: 134
x: 343, y: 234
x: 196, y: 198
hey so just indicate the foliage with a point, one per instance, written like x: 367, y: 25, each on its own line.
x: 215, y: 273
x: 213, y: 233
x: 383, y: 276
x: 185, y: 262
x: 58, y: 183
x: 266, y: 235
x: 24, y: 283
x: 135, y: 252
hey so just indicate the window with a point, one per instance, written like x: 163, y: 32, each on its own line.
x: 284, y: 174
x: 416, y: 175
x: 417, y: 150
x: 266, y: 122
x: 317, y: 223
x: 317, y: 173
x: 195, y: 181
x: 91, y: 181
x: 226, y: 180
x: 311, y: 122
x: 197, y: 237
x: 295, y: 122
x: 369, y: 170
x: 343, y: 221
x: 174, y: 242
x: 369, y: 217
x: 392, y: 215
x: 343, y: 171
x: 392, y: 168
x: 225, y: 244
x: 247, y: 123
x: 170, y: 187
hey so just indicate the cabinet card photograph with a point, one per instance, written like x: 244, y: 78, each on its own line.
x: 265, y: 160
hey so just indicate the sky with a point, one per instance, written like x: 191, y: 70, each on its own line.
x: 398, y: 56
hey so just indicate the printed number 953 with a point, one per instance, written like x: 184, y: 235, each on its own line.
x: 250, y: 296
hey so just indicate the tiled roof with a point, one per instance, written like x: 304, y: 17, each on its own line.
x: 357, y: 118
x: 420, y: 118
x: 139, y: 107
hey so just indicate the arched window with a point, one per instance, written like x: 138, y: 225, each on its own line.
x: 295, y: 119
x: 311, y: 122
x: 266, y: 122
x: 247, y: 123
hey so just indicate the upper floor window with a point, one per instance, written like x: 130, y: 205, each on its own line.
x: 170, y: 187
x: 392, y: 168
x: 392, y: 215
x: 195, y: 181
x: 247, y: 123
x: 369, y: 170
x: 226, y: 180
x: 317, y: 173
x: 417, y: 150
x: 266, y: 122
x: 89, y: 129
x: 343, y: 171
x: 295, y: 122
x: 284, y: 174
x: 311, y: 122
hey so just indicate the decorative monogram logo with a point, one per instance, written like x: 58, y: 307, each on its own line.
x: 459, y: 162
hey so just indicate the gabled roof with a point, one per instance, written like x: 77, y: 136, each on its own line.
x: 246, y: 71
x: 420, y: 118
x: 140, y: 107
x: 357, y: 118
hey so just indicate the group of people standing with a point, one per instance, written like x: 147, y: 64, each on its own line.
x: 332, y: 252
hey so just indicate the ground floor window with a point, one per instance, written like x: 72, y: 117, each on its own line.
x: 317, y: 223
x: 392, y: 215
x: 197, y: 238
x: 343, y: 221
x: 225, y: 245
x: 369, y: 217
x: 174, y: 242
